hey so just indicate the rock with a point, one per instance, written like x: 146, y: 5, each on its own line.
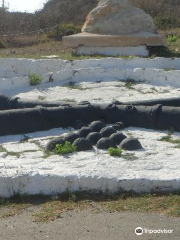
x: 52, y: 144
x: 117, y: 138
x: 130, y: 144
x: 118, y: 17
x: 107, y: 131
x: 82, y: 144
x: 71, y: 137
x: 94, y: 137
x: 79, y: 124
x: 97, y: 126
x: 84, y: 131
x: 105, y: 143
x: 119, y: 126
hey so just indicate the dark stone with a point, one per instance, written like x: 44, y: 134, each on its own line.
x: 52, y: 144
x: 131, y: 144
x: 84, y: 131
x: 4, y: 102
x: 79, y: 124
x: 107, y: 131
x: 71, y: 137
x: 117, y: 138
x: 119, y: 126
x: 105, y: 143
x: 82, y: 144
x: 84, y: 103
x: 94, y: 137
x: 97, y: 126
x: 116, y: 102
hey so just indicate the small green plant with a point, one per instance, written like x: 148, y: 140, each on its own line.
x: 34, y: 79
x: 115, y: 152
x: 66, y: 148
x: 129, y: 156
x: 169, y: 139
x: 73, y: 85
x: 41, y: 98
x: 64, y: 29
x: 2, y: 44
x: 129, y: 83
x: 173, y: 38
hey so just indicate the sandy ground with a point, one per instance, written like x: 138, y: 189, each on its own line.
x: 88, y: 225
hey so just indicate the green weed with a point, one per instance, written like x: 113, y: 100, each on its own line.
x: 34, y: 79
x: 116, y: 152
x: 173, y: 38
x: 63, y: 149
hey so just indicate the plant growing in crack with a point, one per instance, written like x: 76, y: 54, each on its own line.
x: 169, y: 138
x: 34, y: 79
x: 74, y: 85
x: 50, y: 76
x: 129, y: 83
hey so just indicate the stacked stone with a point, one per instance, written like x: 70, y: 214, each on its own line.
x: 99, y: 135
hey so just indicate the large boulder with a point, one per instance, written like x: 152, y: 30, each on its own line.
x: 97, y: 126
x: 131, y: 144
x: 52, y: 144
x: 117, y: 138
x: 118, y: 17
x: 107, y: 131
x: 105, y: 143
x: 71, y: 137
x: 94, y: 137
x: 82, y: 144
x: 84, y: 131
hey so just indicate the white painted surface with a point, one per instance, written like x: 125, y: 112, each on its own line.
x: 24, y: 168
x: 156, y: 167
x: 113, y: 51
x: 104, y: 92
x: 159, y: 71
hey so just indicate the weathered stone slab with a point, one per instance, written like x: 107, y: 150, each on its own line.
x: 107, y: 40
x: 118, y: 17
x: 113, y: 51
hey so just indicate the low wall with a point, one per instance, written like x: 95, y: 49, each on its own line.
x: 158, y: 71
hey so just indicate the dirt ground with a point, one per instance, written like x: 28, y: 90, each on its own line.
x: 88, y: 225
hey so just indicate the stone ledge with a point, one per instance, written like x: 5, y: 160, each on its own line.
x: 113, y: 51
x: 123, y: 40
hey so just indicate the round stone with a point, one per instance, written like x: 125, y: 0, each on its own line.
x: 97, y: 126
x: 131, y: 144
x: 82, y: 144
x: 94, y: 137
x: 105, y: 143
x: 71, y: 137
x: 107, y: 131
x: 117, y: 138
x: 52, y: 144
x: 118, y: 17
x: 79, y: 124
x: 119, y: 126
x: 84, y: 131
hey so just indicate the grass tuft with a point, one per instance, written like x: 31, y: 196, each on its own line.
x: 116, y: 152
x: 66, y: 148
x: 173, y: 38
x: 34, y: 79
x: 169, y: 139
x: 50, y: 208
